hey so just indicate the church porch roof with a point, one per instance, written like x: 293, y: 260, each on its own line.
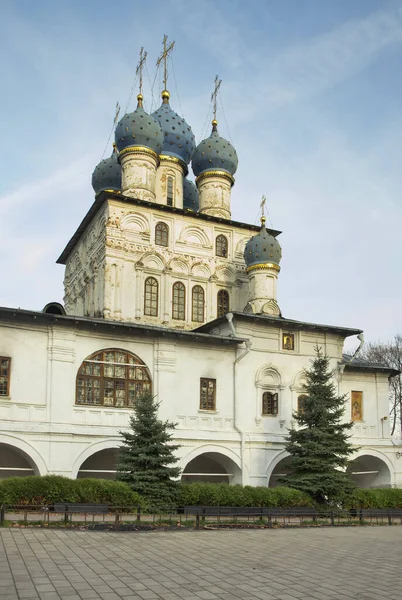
x: 106, y: 325
x: 361, y: 364
x: 290, y: 324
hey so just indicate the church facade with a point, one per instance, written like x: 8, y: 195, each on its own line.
x: 164, y: 292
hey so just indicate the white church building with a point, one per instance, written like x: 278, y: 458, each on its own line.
x: 165, y: 292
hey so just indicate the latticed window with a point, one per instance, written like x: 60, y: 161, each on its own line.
x: 207, y: 394
x: 221, y: 246
x: 161, y: 234
x: 179, y: 301
x: 197, y: 307
x: 5, y: 364
x: 223, y: 303
x: 112, y: 378
x: 169, y: 197
x: 301, y: 402
x: 269, y: 403
x: 151, y: 293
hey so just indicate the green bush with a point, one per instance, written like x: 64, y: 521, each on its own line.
x: 46, y: 490
x: 375, y: 498
x: 221, y: 494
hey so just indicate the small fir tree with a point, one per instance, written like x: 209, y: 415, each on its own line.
x: 319, y: 446
x: 147, y: 454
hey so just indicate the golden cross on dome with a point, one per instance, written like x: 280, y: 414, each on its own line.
x: 262, y: 207
x: 143, y: 56
x: 163, y: 57
x: 215, y: 95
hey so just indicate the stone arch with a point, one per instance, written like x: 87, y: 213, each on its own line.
x: 91, y: 451
x: 298, y: 382
x: 153, y: 260
x: 268, y: 376
x: 212, y: 463
x: 22, y: 456
x: 371, y: 468
x: 178, y: 265
x: 276, y: 467
x: 195, y: 236
x: 240, y: 246
x: 135, y: 223
x: 225, y: 274
x: 200, y: 269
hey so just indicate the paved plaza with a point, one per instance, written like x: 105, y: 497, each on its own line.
x: 344, y: 563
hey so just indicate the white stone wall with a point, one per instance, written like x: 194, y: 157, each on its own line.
x: 41, y: 419
x: 106, y: 272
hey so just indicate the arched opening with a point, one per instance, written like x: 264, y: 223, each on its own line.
x: 15, y: 463
x: 222, y: 303
x: 112, y: 378
x: 101, y: 465
x: 282, y: 468
x: 369, y: 472
x: 54, y: 308
x: 212, y: 467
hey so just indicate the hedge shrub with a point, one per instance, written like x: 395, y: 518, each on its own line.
x: 221, y: 494
x: 375, y: 498
x: 46, y: 490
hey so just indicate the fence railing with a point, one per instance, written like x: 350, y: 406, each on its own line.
x: 117, y: 517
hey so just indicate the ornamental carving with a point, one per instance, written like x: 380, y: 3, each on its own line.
x: 113, y: 220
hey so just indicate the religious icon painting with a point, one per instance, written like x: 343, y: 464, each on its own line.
x: 288, y: 341
x: 357, y: 406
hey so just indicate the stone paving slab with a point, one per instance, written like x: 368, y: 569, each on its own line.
x: 298, y: 564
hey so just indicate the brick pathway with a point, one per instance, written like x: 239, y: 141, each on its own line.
x: 361, y: 563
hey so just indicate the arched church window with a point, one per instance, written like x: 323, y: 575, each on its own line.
x: 169, y: 197
x: 112, y: 378
x: 301, y: 404
x: 223, y: 303
x: 179, y: 301
x: 221, y: 246
x: 269, y: 404
x: 197, y: 304
x: 161, y: 234
x: 151, y: 293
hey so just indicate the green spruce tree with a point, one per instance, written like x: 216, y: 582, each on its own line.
x: 146, y: 457
x: 319, y: 444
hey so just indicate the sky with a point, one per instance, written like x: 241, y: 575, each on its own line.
x: 311, y: 99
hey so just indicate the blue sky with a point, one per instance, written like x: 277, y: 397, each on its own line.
x: 312, y: 99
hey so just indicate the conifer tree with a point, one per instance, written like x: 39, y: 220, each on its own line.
x: 319, y: 444
x: 146, y: 457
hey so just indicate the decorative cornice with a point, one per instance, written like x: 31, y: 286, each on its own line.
x: 108, y: 192
x: 166, y: 158
x: 268, y: 266
x: 214, y: 174
x: 138, y: 150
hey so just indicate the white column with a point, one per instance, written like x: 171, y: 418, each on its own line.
x: 214, y: 188
x: 174, y: 168
x: 138, y: 172
x: 262, y: 289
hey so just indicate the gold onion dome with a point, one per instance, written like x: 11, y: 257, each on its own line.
x: 139, y: 129
x: 262, y: 248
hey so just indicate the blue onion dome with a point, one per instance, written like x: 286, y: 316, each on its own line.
x: 214, y: 153
x: 139, y: 129
x: 190, y: 195
x: 179, y: 140
x: 107, y: 175
x: 262, y: 248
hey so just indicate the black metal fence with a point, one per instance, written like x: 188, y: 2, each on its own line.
x: 119, y: 518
